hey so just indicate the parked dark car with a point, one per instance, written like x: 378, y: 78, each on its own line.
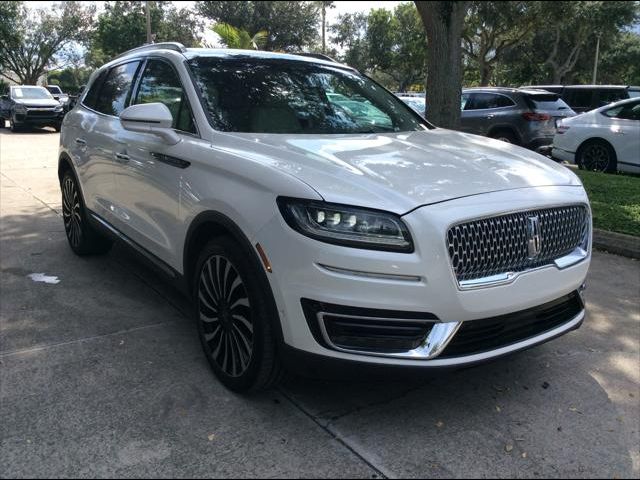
x: 522, y: 117
x: 30, y: 106
x: 582, y: 98
x: 59, y: 95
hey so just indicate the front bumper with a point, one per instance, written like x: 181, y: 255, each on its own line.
x: 39, y: 119
x: 417, y: 283
x: 563, y: 155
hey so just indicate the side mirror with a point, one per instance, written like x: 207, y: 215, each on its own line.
x: 153, y: 118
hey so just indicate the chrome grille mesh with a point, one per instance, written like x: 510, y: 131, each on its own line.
x: 495, y: 245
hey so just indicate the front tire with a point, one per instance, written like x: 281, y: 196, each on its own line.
x: 597, y: 156
x: 12, y: 125
x: 83, y: 238
x: 234, y: 315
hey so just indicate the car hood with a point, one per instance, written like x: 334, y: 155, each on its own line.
x: 401, y: 171
x: 43, y: 102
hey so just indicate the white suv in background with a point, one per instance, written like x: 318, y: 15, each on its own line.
x: 304, y: 230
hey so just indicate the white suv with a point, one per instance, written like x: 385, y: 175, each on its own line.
x: 311, y: 215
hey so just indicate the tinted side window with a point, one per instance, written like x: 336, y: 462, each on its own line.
x: 609, y: 96
x: 91, y: 98
x: 160, y: 83
x: 116, y: 89
x: 578, y: 98
x: 483, y: 101
x: 630, y: 111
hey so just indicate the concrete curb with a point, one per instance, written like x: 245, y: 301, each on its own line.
x: 618, y: 243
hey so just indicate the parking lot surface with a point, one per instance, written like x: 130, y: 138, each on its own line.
x: 102, y: 374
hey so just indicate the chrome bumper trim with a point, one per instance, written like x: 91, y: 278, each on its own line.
x: 578, y: 255
x: 432, y: 346
x: 442, y: 334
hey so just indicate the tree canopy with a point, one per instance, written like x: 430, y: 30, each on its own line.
x: 292, y: 26
x: 32, y: 42
x: 122, y: 26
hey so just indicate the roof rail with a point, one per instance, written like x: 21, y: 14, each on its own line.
x: 178, y: 47
x: 319, y: 56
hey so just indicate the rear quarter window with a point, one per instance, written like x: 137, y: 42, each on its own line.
x: 547, y: 102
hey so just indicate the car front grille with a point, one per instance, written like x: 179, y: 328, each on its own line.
x: 41, y: 113
x: 502, y: 244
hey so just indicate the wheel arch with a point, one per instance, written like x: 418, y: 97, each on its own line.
x: 505, y: 127
x: 64, y: 164
x: 210, y: 224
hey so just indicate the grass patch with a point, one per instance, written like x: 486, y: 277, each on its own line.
x: 615, y: 201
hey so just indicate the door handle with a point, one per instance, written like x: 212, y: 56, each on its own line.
x: 80, y: 141
x: 490, y: 116
x: 122, y: 158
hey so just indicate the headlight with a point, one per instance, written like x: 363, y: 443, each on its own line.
x: 58, y: 108
x: 348, y: 226
x: 21, y: 109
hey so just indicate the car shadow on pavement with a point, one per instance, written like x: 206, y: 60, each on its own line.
x: 567, y: 408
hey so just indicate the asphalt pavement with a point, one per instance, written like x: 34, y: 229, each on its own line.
x: 102, y: 375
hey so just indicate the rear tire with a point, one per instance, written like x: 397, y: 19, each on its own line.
x: 83, y: 238
x: 505, y: 136
x: 234, y: 314
x: 597, y: 156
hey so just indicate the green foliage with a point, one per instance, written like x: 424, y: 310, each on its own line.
x: 33, y: 41
x: 620, y: 59
x: 349, y: 33
x: 562, y: 48
x: 233, y: 37
x: 390, y: 45
x: 69, y: 79
x: 615, y: 201
x: 292, y: 26
x: 491, y: 29
x: 122, y: 26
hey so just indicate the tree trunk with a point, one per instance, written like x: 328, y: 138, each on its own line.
x: 485, y: 72
x: 443, y: 23
x: 324, y: 29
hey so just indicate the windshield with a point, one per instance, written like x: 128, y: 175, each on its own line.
x: 264, y: 96
x: 547, y: 101
x: 30, y: 93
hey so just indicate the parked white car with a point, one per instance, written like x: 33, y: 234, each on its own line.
x: 305, y: 232
x: 606, y: 139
